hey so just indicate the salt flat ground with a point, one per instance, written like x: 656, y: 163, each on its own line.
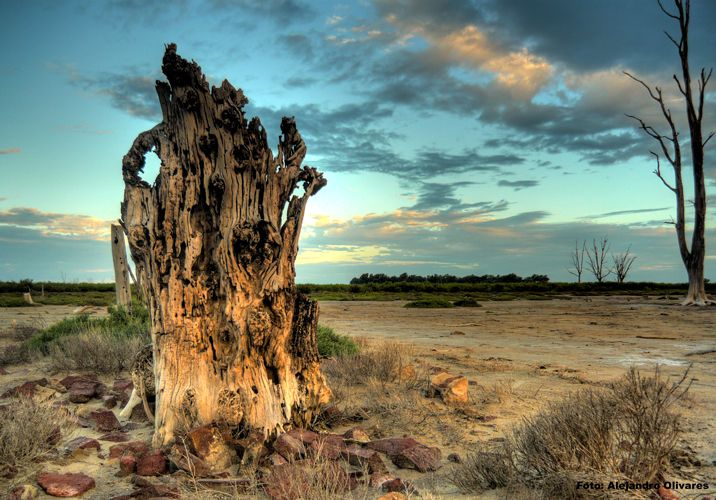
x: 518, y: 355
x: 533, y: 351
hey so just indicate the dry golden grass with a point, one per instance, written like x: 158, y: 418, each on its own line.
x: 29, y: 431
x: 625, y: 431
x: 95, y: 351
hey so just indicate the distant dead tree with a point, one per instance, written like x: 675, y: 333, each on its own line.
x: 578, y: 260
x: 597, y: 259
x: 670, y: 147
x: 622, y: 264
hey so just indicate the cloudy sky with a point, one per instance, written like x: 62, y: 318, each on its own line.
x: 459, y: 136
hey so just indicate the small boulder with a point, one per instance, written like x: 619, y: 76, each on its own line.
x: 115, y: 437
x: 136, y: 448
x: 104, y: 420
x: 82, y: 391
x: 127, y: 464
x: 27, y: 389
x: 275, y: 459
x: 422, y: 458
x: 305, y: 436
x: 377, y: 480
x: 451, y: 389
x: 356, y: 435
x: 355, y: 455
x: 209, y: 445
x: 65, y: 485
x: 109, y: 401
x: 153, y: 463
x: 328, y: 446
x: 397, y: 485
x: 185, y: 460
x: 122, y: 385
x: 289, y: 447
x: 455, y: 458
x: 393, y: 495
x: 82, y: 443
x: 392, y: 446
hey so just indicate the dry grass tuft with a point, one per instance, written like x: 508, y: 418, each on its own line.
x: 626, y: 431
x: 385, y: 362
x: 95, y: 351
x: 29, y: 431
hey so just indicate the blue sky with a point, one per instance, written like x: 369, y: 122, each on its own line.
x: 460, y: 137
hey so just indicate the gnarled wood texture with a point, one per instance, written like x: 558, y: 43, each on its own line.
x: 215, y: 252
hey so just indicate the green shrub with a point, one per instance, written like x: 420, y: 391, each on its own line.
x: 430, y: 304
x: 96, y: 351
x: 332, y: 344
x: 119, y: 323
x: 467, y: 303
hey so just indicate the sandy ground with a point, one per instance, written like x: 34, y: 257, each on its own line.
x: 516, y: 354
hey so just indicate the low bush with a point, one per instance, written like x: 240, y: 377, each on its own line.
x: 625, y: 432
x: 332, y: 344
x: 96, y: 351
x: 467, y: 303
x: 29, y: 431
x: 429, y: 304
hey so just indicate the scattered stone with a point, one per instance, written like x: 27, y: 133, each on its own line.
x: 185, y: 460
x: 420, y: 457
x: 153, y: 463
x: 82, y: 391
x: 109, y: 401
x: 115, y: 437
x: 104, y: 420
x: 356, y: 435
x: 275, y: 459
x: 407, y: 372
x: 377, y: 480
x: 303, y: 435
x: 209, y: 445
x: 376, y: 465
x: 666, y: 494
x: 451, y: 389
x: 328, y: 446
x: 82, y: 443
x: 24, y: 492
x: 397, y: 485
x: 289, y: 447
x: 127, y: 465
x: 457, y: 332
x: 71, y: 380
x: 455, y: 458
x: 136, y: 448
x: 65, y: 485
x: 392, y: 446
x: 27, y: 389
x: 357, y: 456
x: 252, y: 448
x: 122, y: 385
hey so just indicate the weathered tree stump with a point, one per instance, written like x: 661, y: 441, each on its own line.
x: 214, y: 241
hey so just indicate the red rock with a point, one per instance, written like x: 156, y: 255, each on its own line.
x: 355, y: 455
x: 303, y: 435
x: 393, y: 495
x: 289, y: 447
x: 451, y: 389
x: 3, y: 371
x: 71, y: 380
x: 65, y: 485
x: 328, y: 446
x: 122, y: 385
x: 209, y: 445
x: 377, y: 480
x: 420, y: 457
x: 152, y: 464
x: 275, y: 459
x: 104, y: 420
x: 82, y: 391
x: 376, y: 465
x: 185, y: 460
x: 356, y: 435
x: 136, y: 448
x: 127, y: 464
x: 82, y: 443
x: 397, y: 485
x: 109, y: 401
x: 666, y: 494
x: 392, y: 446
x: 26, y: 389
x: 115, y: 437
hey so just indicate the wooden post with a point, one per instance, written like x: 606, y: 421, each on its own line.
x: 121, y: 274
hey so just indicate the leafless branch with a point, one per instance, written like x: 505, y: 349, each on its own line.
x: 658, y: 172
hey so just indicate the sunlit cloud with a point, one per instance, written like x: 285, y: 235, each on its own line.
x: 55, y: 224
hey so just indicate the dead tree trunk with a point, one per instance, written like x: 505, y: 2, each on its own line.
x: 670, y: 148
x: 214, y: 250
x: 121, y: 269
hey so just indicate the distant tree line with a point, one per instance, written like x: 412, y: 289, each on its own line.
x: 366, y: 278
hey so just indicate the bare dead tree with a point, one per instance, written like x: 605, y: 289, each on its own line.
x: 597, y: 259
x: 214, y: 240
x: 670, y: 149
x: 578, y: 260
x: 622, y: 264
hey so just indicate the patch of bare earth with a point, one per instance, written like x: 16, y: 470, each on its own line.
x: 516, y: 356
